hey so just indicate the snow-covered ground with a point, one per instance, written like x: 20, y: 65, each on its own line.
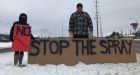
x: 5, y: 45
x: 7, y: 68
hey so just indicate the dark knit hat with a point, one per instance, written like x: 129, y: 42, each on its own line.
x: 23, y: 19
x: 79, y: 5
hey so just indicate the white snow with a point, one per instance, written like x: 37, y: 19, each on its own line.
x: 7, y: 68
x: 5, y: 45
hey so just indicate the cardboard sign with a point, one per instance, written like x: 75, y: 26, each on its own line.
x: 89, y: 51
x: 21, y: 38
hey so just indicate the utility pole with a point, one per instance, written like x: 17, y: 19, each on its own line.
x: 97, y: 18
x: 101, y: 32
x: 63, y: 28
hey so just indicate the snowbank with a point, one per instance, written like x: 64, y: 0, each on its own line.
x: 7, y: 68
x: 5, y: 45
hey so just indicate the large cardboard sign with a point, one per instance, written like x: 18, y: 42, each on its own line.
x: 89, y: 51
x: 21, y: 38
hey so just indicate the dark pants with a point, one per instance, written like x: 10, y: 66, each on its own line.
x: 80, y: 36
x: 19, y: 52
x: 18, y: 57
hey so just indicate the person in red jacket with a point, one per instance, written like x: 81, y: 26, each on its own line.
x: 18, y: 56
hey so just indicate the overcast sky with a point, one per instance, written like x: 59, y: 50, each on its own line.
x: 48, y: 16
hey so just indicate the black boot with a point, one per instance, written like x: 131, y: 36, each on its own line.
x: 20, y: 60
x: 16, y: 58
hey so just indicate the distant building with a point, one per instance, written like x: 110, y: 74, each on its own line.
x: 118, y: 35
x: 128, y: 36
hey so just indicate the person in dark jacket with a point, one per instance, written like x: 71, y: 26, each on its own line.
x: 18, y: 56
x: 80, y: 24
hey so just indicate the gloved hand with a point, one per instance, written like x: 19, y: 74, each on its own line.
x: 70, y: 34
x: 91, y: 35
